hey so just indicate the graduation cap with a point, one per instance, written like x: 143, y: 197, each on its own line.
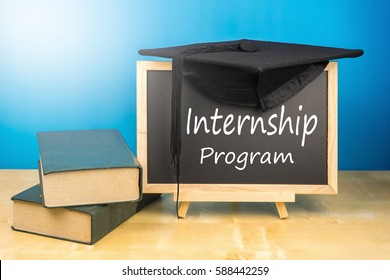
x: 244, y: 72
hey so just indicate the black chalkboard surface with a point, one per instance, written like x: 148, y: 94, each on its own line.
x: 232, y: 144
x: 290, y: 148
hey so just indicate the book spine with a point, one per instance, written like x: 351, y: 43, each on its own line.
x: 109, y: 218
x: 41, y: 183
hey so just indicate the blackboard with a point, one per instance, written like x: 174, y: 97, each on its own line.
x: 291, y: 148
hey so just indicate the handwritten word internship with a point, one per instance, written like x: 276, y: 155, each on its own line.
x: 277, y: 124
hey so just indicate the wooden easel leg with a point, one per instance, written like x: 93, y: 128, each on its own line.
x: 183, y: 208
x: 282, y: 210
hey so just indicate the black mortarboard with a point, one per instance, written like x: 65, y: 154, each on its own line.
x: 244, y: 72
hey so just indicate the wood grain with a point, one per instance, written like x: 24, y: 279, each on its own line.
x: 350, y: 225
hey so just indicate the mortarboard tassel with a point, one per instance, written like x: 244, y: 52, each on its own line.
x: 177, y: 74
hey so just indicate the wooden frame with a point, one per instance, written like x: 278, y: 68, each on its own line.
x: 278, y: 193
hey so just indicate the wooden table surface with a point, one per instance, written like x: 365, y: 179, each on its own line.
x: 353, y: 224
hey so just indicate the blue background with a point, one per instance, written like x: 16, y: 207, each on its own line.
x: 72, y: 64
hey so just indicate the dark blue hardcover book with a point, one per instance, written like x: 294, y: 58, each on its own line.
x: 83, y: 224
x: 85, y: 167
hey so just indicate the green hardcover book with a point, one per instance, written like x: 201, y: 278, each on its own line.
x: 83, y: 224
x: 86, y: 167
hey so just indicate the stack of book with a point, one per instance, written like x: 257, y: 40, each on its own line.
x: 90, y: 182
